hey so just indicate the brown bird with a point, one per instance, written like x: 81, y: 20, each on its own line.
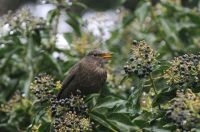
x: 88, y: 75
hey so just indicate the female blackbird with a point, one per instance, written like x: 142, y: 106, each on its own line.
x: 88, y: 75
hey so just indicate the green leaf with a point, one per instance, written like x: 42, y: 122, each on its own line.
x: 73, y: 21
x: 122, y: 122
x: 136, y: 94
x: 45, y: 127
x: 128, y: 19
x: 52, y: 14
x: 101, y: 119
x: 143, y: 119
x: 165, y: 95
x: 80, y: 4
x: 7, y: 56
x: 69, y: 37
x: 54, y: 62
x: 142, y: 11
x: 108, y: 102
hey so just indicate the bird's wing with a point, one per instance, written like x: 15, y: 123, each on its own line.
x: 71, y: 75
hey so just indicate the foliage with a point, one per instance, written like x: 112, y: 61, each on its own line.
x: 153, y: 83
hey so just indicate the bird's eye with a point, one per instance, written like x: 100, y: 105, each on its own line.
x: 95, y: 55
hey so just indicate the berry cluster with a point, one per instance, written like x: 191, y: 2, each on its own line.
x: 70, y: 114
x: 142, y: 59
x: 184, y: 71
x: 182, y: 112
x: 14, y: 100
x: 43, y: 87
x: 73, y: 103
x: 71, y: 121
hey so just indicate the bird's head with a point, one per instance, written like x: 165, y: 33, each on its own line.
x: 99, y: 56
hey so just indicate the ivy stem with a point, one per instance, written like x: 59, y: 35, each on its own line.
x: 154, y: 88
x: 55, y: 30
x: 153, y: 84
x: 123, y: 79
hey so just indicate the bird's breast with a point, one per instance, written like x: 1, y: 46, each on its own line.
x: 92, y: 77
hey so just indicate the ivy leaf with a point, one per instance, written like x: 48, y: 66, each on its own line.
x: 52, y: 14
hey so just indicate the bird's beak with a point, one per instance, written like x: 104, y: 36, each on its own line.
x: 106, y: 56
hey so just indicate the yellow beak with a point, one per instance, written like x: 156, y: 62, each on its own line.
x: 106, y: 56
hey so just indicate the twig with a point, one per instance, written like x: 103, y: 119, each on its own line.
x: 153, y: 84
x: 154, y: 88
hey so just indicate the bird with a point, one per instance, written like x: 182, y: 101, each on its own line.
x: 88, y: 75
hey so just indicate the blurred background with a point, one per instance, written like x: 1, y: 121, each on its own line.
x: 50, y: 36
